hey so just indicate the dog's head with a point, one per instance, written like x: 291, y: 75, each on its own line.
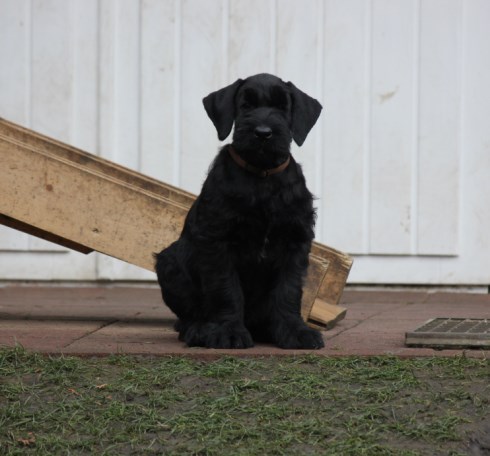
x: 268, y: 114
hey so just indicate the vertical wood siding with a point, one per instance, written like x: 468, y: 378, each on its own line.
x: 392, y: 159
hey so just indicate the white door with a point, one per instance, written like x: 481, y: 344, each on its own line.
x: 407, y: 162
x: 400, y: 159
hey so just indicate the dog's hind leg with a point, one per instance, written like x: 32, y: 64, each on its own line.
x: 208, y: 306
x: 179, y: 292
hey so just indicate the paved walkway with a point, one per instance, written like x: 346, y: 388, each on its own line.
x: 102, y: 320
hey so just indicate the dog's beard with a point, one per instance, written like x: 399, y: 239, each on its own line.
x: 264, y: 154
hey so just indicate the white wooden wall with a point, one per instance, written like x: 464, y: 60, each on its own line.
x: 400, y: 158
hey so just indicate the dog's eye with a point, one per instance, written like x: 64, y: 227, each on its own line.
x: 282, y: 106
x: 279, y: 98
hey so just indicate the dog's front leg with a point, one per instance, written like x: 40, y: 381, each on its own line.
x: 221, y: 323
x: 287, y: 327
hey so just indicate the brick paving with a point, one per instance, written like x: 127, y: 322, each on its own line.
x: 102, y: 320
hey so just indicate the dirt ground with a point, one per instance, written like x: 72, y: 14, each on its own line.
x: 285, y: 406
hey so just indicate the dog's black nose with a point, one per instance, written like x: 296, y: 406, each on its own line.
x: 263, y: 132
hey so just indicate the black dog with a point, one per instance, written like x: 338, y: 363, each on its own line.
x: 236, y: 273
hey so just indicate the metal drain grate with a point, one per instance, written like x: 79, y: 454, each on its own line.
x: 451, y: 333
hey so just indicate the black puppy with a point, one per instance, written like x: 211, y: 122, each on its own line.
x: 236, y: 273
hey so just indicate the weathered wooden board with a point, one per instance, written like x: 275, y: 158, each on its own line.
x: 76, y: 199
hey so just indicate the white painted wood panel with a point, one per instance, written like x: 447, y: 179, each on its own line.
x: 200, y: 55
x: 392, y: 120
x: 158, y: 85
x: 472, y: 265
x: 106, y: 78
x: 474, y: 220
x: 12, y: 240
x: 347, y: 38
x: 251, y: 37
x: 438, y: 127
x: 398, y: 160
x: 45, y: 265
x: 301, y: 41
x: 15, y: 26
x: 126, y: 83
x: 15, y: 17
x: 52, y: 68
x: 85, y: 53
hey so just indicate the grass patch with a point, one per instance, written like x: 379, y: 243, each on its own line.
x: 299, y: 405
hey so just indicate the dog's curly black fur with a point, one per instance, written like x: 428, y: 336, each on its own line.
x: 236, y: 273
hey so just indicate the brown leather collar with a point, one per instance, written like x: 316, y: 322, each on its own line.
x: 259, y: 172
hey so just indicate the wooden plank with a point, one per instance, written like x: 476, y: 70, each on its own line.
x: 86, y: 206
x: 317, y: 270
x: 322, y: 312
x: 46, y: 235
x: 332, y: 285
x: 101, y: 206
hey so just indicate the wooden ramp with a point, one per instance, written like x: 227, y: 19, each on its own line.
x: 83, y: 202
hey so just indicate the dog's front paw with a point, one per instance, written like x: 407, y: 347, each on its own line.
x: 218, y: 335
x: 300, y: 337
x: 233, y: 337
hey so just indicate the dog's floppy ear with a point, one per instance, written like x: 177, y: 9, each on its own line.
x: 220, y: 106
x: 305, y: 112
